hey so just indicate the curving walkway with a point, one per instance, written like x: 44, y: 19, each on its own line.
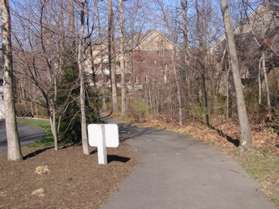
x: 177, y: 172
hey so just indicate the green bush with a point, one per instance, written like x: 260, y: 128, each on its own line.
x: 138, y: 110
x: 70, y: 128
x: 197, y: 111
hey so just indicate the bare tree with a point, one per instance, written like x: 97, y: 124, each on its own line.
x: 71, y: 14
x: 241, y: 107
x: 101, y: 54
x: 122, y: 59
x: 184, y: 4
x: 260, y: 24
x: 201, y: 28
x: 81, y: 59
x: 266, y: 84
x: 110, y: 50
x: 14, y: 149
x: 52, y: 73
x: 178, y: 87
x: 260, y: 82
x: 172, y: 26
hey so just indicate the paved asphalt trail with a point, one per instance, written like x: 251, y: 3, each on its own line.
x: 177, y: 172
x: 27, y: 134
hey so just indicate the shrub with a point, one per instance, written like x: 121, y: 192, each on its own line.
x: 138, y: 110
x: 70, y: 129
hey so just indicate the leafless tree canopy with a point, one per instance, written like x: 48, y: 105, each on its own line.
x: 177, y: 60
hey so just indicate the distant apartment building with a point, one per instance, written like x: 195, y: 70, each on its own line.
x: 152, y: 58
x: 147, y: 56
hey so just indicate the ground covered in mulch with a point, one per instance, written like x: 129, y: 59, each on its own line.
x: 63, y: 179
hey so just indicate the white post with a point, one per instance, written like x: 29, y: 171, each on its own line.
x: 103, y: 136
x: 102, y: 150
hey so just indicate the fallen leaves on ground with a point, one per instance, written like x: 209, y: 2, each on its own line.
x: 222, y: 133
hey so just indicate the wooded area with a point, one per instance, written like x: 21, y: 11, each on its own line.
x: 77, y: 61
x: 174, y: 76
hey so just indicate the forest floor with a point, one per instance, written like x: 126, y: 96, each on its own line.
x: 63, y: 179
x: 261, y: 162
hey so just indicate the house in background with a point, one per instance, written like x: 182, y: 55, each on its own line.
x: 152, y: 58
x: 147, y: 56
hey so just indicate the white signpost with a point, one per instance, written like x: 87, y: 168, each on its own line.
x: 103, y: 136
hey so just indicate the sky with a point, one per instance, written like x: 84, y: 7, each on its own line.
x: 148, y: 16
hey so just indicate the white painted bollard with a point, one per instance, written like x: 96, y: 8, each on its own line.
x: 103, y: 136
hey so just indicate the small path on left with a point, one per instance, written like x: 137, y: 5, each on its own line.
x: 27, y: 134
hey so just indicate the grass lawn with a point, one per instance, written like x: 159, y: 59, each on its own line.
x: 39, y: 123
x: 264, y: 167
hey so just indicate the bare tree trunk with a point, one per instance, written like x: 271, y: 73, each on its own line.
x: 103, y: 91
x: 201, y: 26
x: 241, y: 107
x: 54, y: 117
x: 36, y: 110
x: 111, y: 69
x: 103, y: 83
x: 184, y: 7
x: 32, y: 109
x: 260, y: 82
x: 122, y: 59
x: 205, y: 97
x: 71, y: 17
x: 84, y: 138
x: 266, y: 85
x: 14, y: 149
x: 178, y: 89
x: 71, y: 22
x: 92, y: 65
x: 228, y: 95
x: 53, y: 126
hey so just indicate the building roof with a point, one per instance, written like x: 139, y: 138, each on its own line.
x: 157, y: 37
